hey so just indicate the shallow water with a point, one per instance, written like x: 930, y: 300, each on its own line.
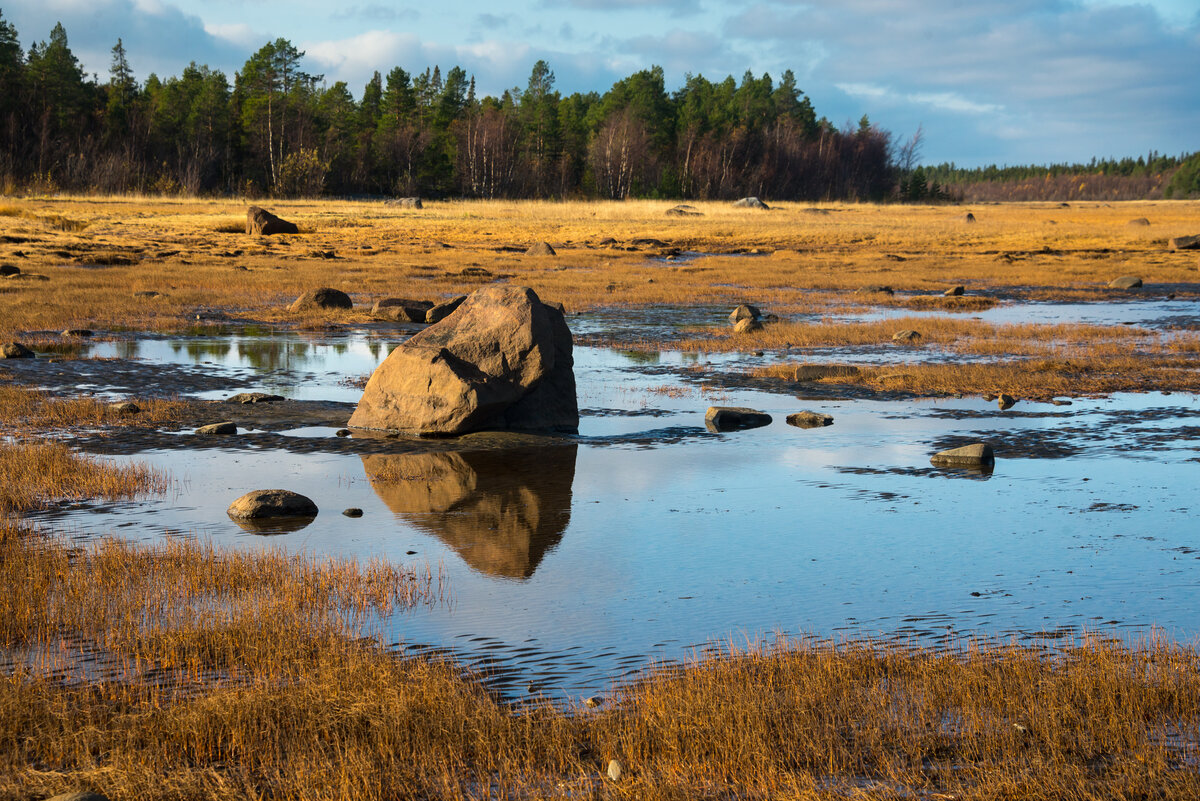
x: 647, y: 536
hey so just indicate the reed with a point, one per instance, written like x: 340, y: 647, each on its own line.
x: 37, y: 473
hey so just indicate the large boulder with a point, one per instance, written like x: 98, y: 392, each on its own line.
x: 261, y: 221
x: 443, y: 310
x: 502, y: 360
x: 323, y: 298
x: 261, y: 504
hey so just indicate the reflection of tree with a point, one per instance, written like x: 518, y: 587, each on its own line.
x: 273, y: 354
x: 501, y: 510
x: 199, y: 350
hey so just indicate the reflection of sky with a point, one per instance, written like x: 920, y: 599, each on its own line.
x: 719, y: 536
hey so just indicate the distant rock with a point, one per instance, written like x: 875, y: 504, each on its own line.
x: 1125, y: 282
x: 683, y: 210
x: 750, y: 203
x: 808, y: 419
x: 1140, y: 221
x: 606, y: 242
x: 79, y: 333
x: 9, y: 269
x: 747, y: 325
x: 405, y: 202
x: 148, y: 294
x: 124, y: 408
x: 907, y: 335
x: 648, y: 242
x: 734, y: 418
x: 259, y: 221
x: 226, y: 428
x: 745, y: 312
x: 1185, y: 243
x: 272, y: 503
x: 815, y: 372
x: 977, y: 455
x: 875, y: 289
x: 540, y: 249
x: 401, y: 310
x: 15, y: 350
x: 954, y: 291
x: 323, y: 298
x: 254, y: 397
x: 443, y: 310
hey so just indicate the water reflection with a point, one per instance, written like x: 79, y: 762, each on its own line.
x: 502, y: 511
x: 272, y: 525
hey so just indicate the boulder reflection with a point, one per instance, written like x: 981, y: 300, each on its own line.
x: 500, y: 510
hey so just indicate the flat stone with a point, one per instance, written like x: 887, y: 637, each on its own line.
x: 218, y: 428
x: 254, y: 397
x: 978, y: 454
x: 734, y: 418
x: 807, y: 419
x: 1125, y: 282
x: 272, y: 503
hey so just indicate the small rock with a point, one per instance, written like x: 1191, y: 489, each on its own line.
x: 342, y: 432
x: 218, y: 428
x: 15, y: 350
x: 405, y: 202
x: 259, y: 221
x: 614, y: 770
x: 750, y: 203
x: 744, y: 312
x: 807, y: 419
x: 907, y: 335
x: 594, y: 701
x: 734, y: 418
x: 272, y: 503
x: 1060, y: 402
x: 1005, y: 401
x: 254, y: 397
x: 443, y: 310
x: 353, y: 511
x: 1186, y: 243
x: 746, y: 326
x: 124, y: 407
x: 1125, y: 282
x: 77, y: 332
x: 323, y: 298
x: 977, y: 455
x: 954, y: 291
x: 540, y: 249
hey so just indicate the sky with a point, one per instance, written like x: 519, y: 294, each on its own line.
x: 987, y: 81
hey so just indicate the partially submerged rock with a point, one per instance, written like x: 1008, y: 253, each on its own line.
x: 734, y: 418
x: 502, y: 360
x: 977, y: 455
x: 401, y: 310
x: 260, y: 221
x: 15, y: 350
x: 540, y: 249
x: 323, y: 298
x: 1186, y: 243
x: 809, y: 419
x: 750, y: 203
x: 226, y: 428
x: 270, y: 503
x: 1005, y: 401
x: 1125, y: 282
x: 745, y: 312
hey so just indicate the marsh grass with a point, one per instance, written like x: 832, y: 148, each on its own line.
x: 23, y: 409
x: 37, y: 473
x: 185, y: 671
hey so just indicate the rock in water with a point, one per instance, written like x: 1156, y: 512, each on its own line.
x: 225, y: 428
x: 807, y: 419
x: 502, y: 360
x: 954, y: 291
x: 734, y: 418
x: 272, y: 503
x: 261, y: 221
x: 323, y: 298
x: 1125, y: 282
x: 977, y: 455
x: 15, y: 350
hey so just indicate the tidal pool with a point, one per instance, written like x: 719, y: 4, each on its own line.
x: 575, y: 562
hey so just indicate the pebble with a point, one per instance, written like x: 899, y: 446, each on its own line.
x: 353, y: 511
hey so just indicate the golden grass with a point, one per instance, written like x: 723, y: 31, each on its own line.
x: 186, y: 671
x: 40, y: 472
x: 23, y: 409
x: 191, y: 251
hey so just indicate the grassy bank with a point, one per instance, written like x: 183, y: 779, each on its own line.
x: 182, y: 671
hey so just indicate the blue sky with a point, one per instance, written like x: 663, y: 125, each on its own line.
x: 991, y: 81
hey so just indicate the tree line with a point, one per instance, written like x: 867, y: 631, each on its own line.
x: 279, y: 129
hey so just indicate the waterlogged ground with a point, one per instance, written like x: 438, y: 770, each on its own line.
x: 575, y: 562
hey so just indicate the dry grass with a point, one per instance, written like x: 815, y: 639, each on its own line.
x: 38, y: 473
x: 187, y: 672
x: 191, y: 251
x: 23, y: 409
